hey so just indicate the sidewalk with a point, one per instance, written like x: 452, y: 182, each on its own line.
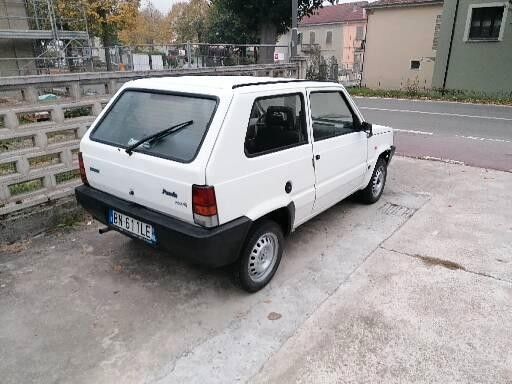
x: 416, y: 288
x: 433, y: 303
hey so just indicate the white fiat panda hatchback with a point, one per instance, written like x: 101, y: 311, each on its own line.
x: 220, y: 169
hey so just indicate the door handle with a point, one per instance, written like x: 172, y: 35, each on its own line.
x: 317, y: 157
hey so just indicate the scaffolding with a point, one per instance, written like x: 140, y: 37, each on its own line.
x: 36, y: 39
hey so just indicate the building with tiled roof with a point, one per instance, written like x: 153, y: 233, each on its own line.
x: 399, y: 3
x: 401, y: 43
x: 341, y: 13
x: 337, y: 31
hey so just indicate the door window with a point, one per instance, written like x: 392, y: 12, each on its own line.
x: 331, y: 115
x: 276, y: 123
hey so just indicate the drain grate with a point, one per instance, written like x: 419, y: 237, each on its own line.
x: 391, y: 209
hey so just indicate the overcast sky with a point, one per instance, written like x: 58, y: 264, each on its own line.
x: 165, y: 5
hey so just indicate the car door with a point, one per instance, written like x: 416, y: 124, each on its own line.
x: 264, y: 163
x: 339, y: 146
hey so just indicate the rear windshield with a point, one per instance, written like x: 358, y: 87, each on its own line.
x: 139, y: 114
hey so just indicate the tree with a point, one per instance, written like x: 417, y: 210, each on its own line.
x: 188, y: 21
x: 224, y: 26
x: 105, y: 18
x: 149, y: 27
x: 269, y: 18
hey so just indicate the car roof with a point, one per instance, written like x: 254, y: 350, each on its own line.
x: 221, y: 84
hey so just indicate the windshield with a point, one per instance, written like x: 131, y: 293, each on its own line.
x: 139, y: 114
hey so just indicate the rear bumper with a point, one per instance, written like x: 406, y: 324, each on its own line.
x: 213, y: 247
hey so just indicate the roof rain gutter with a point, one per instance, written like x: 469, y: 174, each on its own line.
x: 451, y: 45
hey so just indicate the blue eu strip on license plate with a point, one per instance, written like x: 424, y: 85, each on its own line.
x: 132, y: 226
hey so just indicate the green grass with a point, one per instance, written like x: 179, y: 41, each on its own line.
x: 13, y: 144
x: 67, y: 176
x: 8, y: 168
x: 435, y: 94
x: 44, y: 160
x: 70, y: 221
x: 70, y: 113
x: 26, y: 187
x: 62, y: 136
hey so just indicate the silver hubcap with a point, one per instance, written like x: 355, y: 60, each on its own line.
x: 378, y: 181
x: 263, y: 257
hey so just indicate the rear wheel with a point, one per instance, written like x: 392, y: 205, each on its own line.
x: 260, y: 257
x: 375, y: 187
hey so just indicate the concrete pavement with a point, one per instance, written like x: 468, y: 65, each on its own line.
x: 475, y: 134
x: 415, y: 288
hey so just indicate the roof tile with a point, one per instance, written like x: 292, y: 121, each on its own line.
x: 337, y: 14
x: 396, y: 3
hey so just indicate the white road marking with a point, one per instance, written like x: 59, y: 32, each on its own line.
x: 484, y: 139
x: 433, y: 101
x: 477, y: 138
x: 413, y: 131
x: 438, y: 113
x: 448, y: 161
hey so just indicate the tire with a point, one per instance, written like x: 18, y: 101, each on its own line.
x: 373, y: 191
x: 260, y: 257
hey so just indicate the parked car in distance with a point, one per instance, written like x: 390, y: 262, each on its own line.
x: 220, y: 169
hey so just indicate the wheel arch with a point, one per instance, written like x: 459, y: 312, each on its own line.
x: 284, y: 217
x: 387, y: 154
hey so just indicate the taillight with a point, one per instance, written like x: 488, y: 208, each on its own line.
x: 81, y: 165
x: 204, y: 206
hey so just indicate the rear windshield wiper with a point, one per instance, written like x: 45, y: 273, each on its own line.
x: 159, y: 135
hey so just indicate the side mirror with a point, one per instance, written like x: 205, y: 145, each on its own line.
x: 367, y: 127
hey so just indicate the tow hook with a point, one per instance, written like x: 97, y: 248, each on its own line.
x: 104, y: 230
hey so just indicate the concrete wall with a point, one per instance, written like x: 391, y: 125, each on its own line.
x: 39, y: 140
x: 394, y: 37
x: 484, y: 66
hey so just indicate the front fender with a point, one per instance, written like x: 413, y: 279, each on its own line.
x: 377, y: 145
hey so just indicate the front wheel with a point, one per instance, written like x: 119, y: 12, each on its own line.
x: 260, y: 256
x: 375, y: 187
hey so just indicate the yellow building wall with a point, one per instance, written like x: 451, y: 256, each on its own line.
x: 394, y: 37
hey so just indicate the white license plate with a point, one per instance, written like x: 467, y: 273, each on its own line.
x: 133, y: 226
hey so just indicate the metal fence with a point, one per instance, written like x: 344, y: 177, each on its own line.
x: 71, y: 58
x: 42, y: 119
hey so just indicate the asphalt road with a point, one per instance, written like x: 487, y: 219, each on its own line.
x: 473, y: 134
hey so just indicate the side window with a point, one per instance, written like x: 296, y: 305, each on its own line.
x: 328, y: 38
x: 486, y: 22
x: 276, y: 123
x: 331, y: 115
x: 359, y: 32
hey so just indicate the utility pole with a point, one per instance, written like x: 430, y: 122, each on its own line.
x: 295, y: 16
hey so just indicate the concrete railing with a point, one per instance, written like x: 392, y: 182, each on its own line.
x: 39, y: 139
